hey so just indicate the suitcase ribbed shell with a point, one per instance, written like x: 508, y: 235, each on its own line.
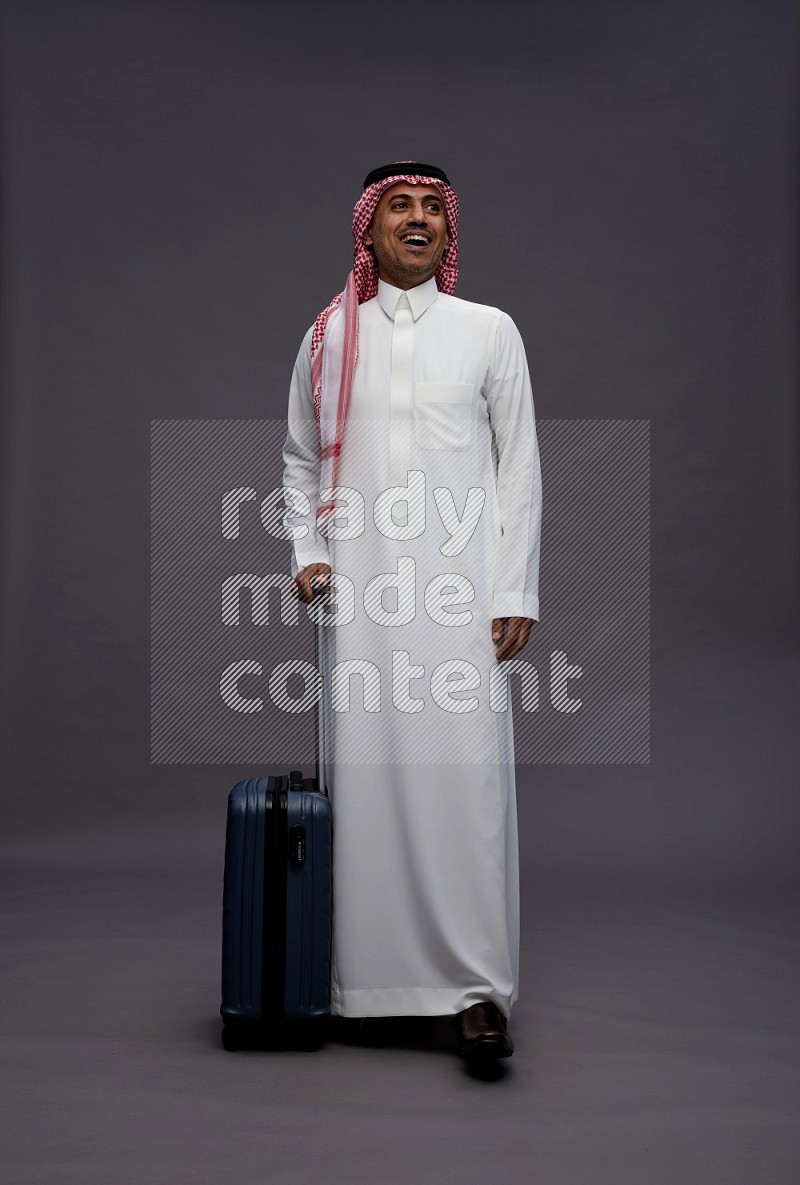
x: 277, y: 907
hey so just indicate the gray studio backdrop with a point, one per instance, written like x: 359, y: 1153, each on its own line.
x: 176, y: 197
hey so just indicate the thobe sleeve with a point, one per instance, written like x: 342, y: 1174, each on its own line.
x: 518, y: 476
x: 301, y: 466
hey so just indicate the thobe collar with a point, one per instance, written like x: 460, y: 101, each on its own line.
x: 420, y: 298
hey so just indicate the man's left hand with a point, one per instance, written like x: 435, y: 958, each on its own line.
x: 518, y: 631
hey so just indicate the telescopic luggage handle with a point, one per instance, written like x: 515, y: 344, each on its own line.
x: 320, y: 730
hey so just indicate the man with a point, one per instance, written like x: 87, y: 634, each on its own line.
x: 413, y: 493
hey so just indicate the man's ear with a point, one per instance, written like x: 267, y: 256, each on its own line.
x: 366, y: 238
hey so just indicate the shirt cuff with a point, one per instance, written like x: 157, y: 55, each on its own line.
x: 314, y: 555
x: 515, y: 604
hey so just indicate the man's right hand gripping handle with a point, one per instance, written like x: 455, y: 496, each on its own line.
x: 312, y: 573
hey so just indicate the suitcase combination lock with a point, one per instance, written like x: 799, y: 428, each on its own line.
x: 297, y: 846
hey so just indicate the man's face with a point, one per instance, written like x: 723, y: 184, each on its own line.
x: 408, y: 234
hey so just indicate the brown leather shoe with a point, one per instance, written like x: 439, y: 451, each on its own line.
x: 482, y: 1032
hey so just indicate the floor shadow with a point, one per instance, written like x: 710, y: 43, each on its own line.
x: 430, y: 1033
x: 426, y: 1034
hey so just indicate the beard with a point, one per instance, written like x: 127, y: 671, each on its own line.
x: 407, y: 271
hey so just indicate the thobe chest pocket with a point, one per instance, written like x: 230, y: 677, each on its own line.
x: 443, y: 415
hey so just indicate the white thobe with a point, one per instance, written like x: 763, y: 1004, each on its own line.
x: 420, y: 767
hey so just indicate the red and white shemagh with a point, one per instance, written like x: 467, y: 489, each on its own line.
x: 334, y: 339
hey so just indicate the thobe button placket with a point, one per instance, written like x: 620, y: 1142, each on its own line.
x: 400, y: 401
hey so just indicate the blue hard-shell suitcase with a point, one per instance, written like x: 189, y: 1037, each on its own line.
x: 277, y: 903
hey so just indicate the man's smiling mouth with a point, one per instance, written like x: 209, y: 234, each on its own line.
x: 415, y: 242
